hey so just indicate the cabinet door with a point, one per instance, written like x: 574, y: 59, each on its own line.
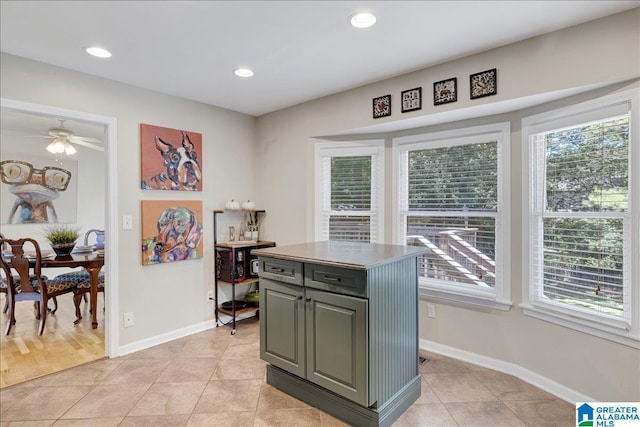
x: 337, y: 344
x: 282, y: 326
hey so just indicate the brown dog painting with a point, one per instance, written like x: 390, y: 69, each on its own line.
x: 171, y: 233
x: 170, y: 159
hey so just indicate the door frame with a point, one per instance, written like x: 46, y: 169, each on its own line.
x: 111, y: 335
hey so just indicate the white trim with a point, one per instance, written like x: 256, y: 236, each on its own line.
x: 464, y: 299
x: 111, y: 335
x: 166, y: 337
x: 373, y: 147
x: 626, y: 331
x: 499, y: 297
x: 619, y: 334
x: 542, y: 382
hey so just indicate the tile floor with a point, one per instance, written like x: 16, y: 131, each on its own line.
x: 215, y: 379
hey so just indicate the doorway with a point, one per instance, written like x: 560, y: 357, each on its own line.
x: 36, y: 119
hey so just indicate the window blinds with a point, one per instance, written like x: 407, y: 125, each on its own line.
x: 581, y: 215
x: 348, y: 202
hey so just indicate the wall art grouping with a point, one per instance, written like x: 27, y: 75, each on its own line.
x: 412, y: 99
x: 170, y: 159
x: 38, y: 190
x: 484, y: 83
x: 171, y: 230
x: 381, y: 106
x: 445, y: 91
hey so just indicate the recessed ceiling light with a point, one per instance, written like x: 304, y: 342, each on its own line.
x: 243, y: 72
x: 362, y: 19
x: 98, y: 52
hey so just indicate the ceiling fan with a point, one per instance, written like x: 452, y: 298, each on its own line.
x: 63, y: 138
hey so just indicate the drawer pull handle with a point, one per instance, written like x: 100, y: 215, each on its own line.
x: 331, y: 279
x: 276, y: 270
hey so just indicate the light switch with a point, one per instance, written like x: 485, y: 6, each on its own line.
x: 127, y: 222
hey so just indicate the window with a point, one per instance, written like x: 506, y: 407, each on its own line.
x: 349, y: 191
x: 451, y: 188
x: 581, y: 217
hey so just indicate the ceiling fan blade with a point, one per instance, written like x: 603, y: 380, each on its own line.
x: 83, y: 143
x: 76, y: 138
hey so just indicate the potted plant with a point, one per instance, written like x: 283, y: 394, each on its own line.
x: 62, y: 238
x: 252, y: 226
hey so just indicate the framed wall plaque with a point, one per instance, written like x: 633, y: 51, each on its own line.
x: 381, y: 106
x: 445, y: 91
x: 412, y: 99
x: 484, y: 83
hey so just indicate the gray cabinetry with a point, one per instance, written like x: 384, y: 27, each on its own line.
x: 282, y: 331
x: 316, y: 335
x: 339, y: 327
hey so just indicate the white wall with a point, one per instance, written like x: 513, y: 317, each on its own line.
x: 579, y: 59
x: 277, y: 171
x: 169, y: 297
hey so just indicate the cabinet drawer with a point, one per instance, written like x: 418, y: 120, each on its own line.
x: 282, y: 270
x: 335, y: 279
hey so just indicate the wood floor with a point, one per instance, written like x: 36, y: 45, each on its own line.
x: 24, y: 355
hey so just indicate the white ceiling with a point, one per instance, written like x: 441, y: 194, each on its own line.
x: 299, y: 50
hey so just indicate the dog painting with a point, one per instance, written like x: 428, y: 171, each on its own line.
x: 171, y: 231
x: 170, y: 159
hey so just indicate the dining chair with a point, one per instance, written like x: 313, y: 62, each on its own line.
x: 82, y: 282
x: 3, y: 281
x: 83, y: 276
x: 99, y: 238
x: 25, y: 281
x: 83, y: 287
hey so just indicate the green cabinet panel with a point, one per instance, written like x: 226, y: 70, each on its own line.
x: 337, y: 335
x: 282, y: 326
x: 316, y: 335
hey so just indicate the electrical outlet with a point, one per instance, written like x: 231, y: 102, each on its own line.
x: 210, y: 296
x: 128, y: 320
x: 431, y: 310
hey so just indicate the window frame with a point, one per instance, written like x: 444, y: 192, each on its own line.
x: 498, y: 297
x: 374, y: 148
x: 626, y: 330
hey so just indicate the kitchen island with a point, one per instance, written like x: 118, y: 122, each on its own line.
x: 339, y: 327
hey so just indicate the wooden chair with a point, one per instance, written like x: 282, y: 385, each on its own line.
x: 82, y: 282
x: 3, y: 281
x: 25, y: 281
x: 99, y: 238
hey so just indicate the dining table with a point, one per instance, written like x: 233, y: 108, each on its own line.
x: 92, y: 262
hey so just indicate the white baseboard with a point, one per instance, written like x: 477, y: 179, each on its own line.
x: 161, y: 339
x: 544, y: 383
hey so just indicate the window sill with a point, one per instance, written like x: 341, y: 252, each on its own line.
x: 467, y: 301
x: 620, y: 335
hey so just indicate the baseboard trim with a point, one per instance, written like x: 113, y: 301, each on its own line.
x: 540, y: 381
x: 163, y: 338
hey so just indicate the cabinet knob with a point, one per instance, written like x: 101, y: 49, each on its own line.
x: 299, y: 297
x: 307, y: 299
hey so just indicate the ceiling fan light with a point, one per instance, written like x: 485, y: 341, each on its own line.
x: 51, y: 147
x: 69, y: 149
x: 57, y: 146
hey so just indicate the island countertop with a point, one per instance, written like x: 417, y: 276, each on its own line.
x: 354, y: 255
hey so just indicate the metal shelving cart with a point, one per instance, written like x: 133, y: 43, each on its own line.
x: 233, y: 268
